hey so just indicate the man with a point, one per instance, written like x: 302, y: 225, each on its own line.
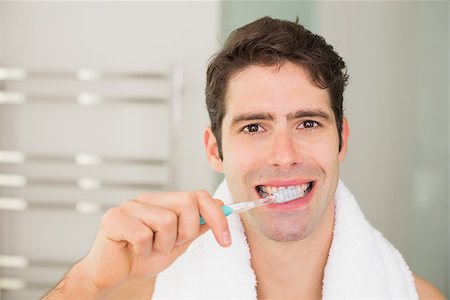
x: 274, y: 95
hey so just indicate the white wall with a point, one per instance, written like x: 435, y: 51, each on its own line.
x: 397, y: 103
x: 115, y: 36
x: 123, y: 36
x: 1, y: 25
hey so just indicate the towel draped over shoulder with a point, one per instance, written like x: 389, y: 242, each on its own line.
x: 361, y: 264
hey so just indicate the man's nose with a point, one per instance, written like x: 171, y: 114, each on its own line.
x: 284, y: 150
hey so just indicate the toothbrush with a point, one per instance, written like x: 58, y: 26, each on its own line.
x: 280, y: 196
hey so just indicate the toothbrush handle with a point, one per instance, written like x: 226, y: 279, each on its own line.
x: 226, y: 211
x: 242, y: 206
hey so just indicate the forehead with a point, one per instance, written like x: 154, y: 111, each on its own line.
x: 274, y: 89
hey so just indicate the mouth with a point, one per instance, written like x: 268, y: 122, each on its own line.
x: 267, y: 190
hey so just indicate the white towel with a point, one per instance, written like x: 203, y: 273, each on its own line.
x: 361, y: 263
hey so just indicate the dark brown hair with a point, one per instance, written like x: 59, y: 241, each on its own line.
x: 268, y: 42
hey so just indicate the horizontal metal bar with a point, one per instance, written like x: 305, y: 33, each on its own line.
x: 12, y: 283
x: 83, y: 183
x: 21, y: 204
x: 84, y: 99
x: 81, y: 159
x: 12, y: 203
x: 17, y: 284
x: 12, y: 98
x: 85, y: 74
x: 87, y: 99
x: 12, y: 180
x: 22, y: 262
x: 12, y: 74
x: 16, y: 157
x: 13, y: 261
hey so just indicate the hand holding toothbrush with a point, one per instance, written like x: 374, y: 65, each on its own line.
x: 139, y: 239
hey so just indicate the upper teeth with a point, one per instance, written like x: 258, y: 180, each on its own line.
x: 273, y: 189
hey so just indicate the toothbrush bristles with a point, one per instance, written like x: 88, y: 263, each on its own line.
x: 288, y: 194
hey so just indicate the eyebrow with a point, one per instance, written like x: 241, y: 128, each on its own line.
x: 314, y: 113
x: 251, y: 117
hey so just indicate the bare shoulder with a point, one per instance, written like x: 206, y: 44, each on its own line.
x: 426, y: 290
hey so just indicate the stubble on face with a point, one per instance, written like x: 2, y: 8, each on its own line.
x: 280, y: 92
x: 292, y: 225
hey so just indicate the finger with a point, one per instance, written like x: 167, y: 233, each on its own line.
x: 207, y: 207
x: 185, y: 206
x: 119, y: 227
x: 162, y: 221
x: 219, y: 202
x: 212, y: 214
x: 188, y: 219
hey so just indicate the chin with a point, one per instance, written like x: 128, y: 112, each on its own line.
x: 281, y: 226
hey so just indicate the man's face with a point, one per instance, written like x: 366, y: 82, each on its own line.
x: 279, y: 131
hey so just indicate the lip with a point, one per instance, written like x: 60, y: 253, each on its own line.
x: 294, y: 204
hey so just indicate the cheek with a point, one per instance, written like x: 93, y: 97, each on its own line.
x: 239, y: 163
x: 324, y: 151
x: 238, y: 156
x: 242, y: 160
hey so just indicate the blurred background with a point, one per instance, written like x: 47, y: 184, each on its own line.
x: 100, y: 101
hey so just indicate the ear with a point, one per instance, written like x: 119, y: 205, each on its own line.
x: 344, y: 134
x: 212, y: 150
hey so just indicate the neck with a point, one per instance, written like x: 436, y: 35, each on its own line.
x: 278, y: 265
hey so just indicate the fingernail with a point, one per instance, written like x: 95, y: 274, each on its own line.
x: 226, y: 238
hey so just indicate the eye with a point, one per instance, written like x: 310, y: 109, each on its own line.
x: 308, y: 124
x: 252, y: 128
